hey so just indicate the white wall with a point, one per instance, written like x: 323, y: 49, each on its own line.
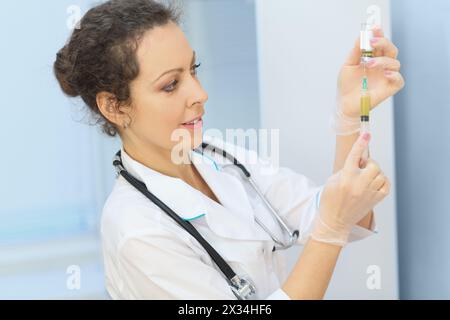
x: 53, y: 190
x: 301, y: 46
x: 223, y: 34
x: 229, y: 73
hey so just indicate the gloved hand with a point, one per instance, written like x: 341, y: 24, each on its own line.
x: 342, y: 124
x: 384, y: 78
x: 349, y: 195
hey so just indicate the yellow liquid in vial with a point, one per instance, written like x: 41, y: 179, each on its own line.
x: 365, y: 105
x: 367, y: 53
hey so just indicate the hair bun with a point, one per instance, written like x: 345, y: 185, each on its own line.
x: 63, y: 68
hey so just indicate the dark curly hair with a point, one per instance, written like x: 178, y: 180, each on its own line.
x: 101, y: 53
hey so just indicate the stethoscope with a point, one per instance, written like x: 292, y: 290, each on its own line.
x: 241, y: 286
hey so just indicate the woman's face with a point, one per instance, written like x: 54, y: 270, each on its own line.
x: 166, y: 94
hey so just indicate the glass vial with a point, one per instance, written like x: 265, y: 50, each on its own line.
x: 366, y: 48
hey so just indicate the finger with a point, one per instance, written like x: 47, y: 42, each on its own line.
x: 384, y: 190
x: 378, y: 182
x: 384, y: 47
x: 378, y: 31
x: 355, y: 154
x: 364, y: 159
x: 372, y: 170
x: 384, y: 62
x: 394, y: 83
x: 395, y: 78
x: 354, y: 58
x: 363, y: 162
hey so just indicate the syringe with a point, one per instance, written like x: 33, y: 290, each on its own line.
x: 366, y: 56
x: 365, y: 114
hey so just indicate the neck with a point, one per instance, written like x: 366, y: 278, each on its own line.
x: 159, y: 159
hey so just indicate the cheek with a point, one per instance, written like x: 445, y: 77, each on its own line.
x: 172, y: 115
x: 159, y: 116
x: 168, y: 115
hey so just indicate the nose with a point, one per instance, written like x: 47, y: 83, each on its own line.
x: 196, y: 94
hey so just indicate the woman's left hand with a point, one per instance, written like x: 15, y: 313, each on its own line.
x: 383, y: 72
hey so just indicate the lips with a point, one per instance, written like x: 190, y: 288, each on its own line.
x: 195, y: 123
x: 194, y: 120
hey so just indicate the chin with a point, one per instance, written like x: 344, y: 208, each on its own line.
x: 183, y: 139
x: 197, y: 139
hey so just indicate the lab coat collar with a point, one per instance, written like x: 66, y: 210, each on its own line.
x: 174, y: 192
x: 233, y: 218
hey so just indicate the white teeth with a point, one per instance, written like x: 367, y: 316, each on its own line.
x: 193, y: 122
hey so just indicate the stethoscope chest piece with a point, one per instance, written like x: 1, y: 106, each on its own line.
x: 242, y: 287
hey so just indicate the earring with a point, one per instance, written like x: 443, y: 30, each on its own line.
x: 126, y: 125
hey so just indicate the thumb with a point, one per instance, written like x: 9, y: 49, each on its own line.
x: 354, y: 57
x: 357, y: 151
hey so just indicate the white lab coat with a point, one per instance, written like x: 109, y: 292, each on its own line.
x: 149, y: 256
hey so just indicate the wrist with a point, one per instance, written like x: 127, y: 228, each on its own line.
x: 344, y: 125
x: 330, y: 231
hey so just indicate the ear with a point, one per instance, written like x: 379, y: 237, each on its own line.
x: 108, y: 105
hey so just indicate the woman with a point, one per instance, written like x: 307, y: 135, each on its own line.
x: 133, y: 67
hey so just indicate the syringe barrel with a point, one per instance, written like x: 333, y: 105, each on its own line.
x: 365, y: 127
x: 365, y: 103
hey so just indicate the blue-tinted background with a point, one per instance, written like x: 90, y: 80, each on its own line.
x: 57, y: 172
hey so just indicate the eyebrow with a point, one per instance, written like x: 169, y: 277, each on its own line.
x: 176, y: 69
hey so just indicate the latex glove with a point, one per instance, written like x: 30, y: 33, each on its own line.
x: 384, y: 81
x: 349, y: 195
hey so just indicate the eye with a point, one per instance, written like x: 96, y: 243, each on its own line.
x: 194, y: 68
x: 171, y: 87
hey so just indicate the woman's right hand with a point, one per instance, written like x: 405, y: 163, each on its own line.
x: 349, y: 195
